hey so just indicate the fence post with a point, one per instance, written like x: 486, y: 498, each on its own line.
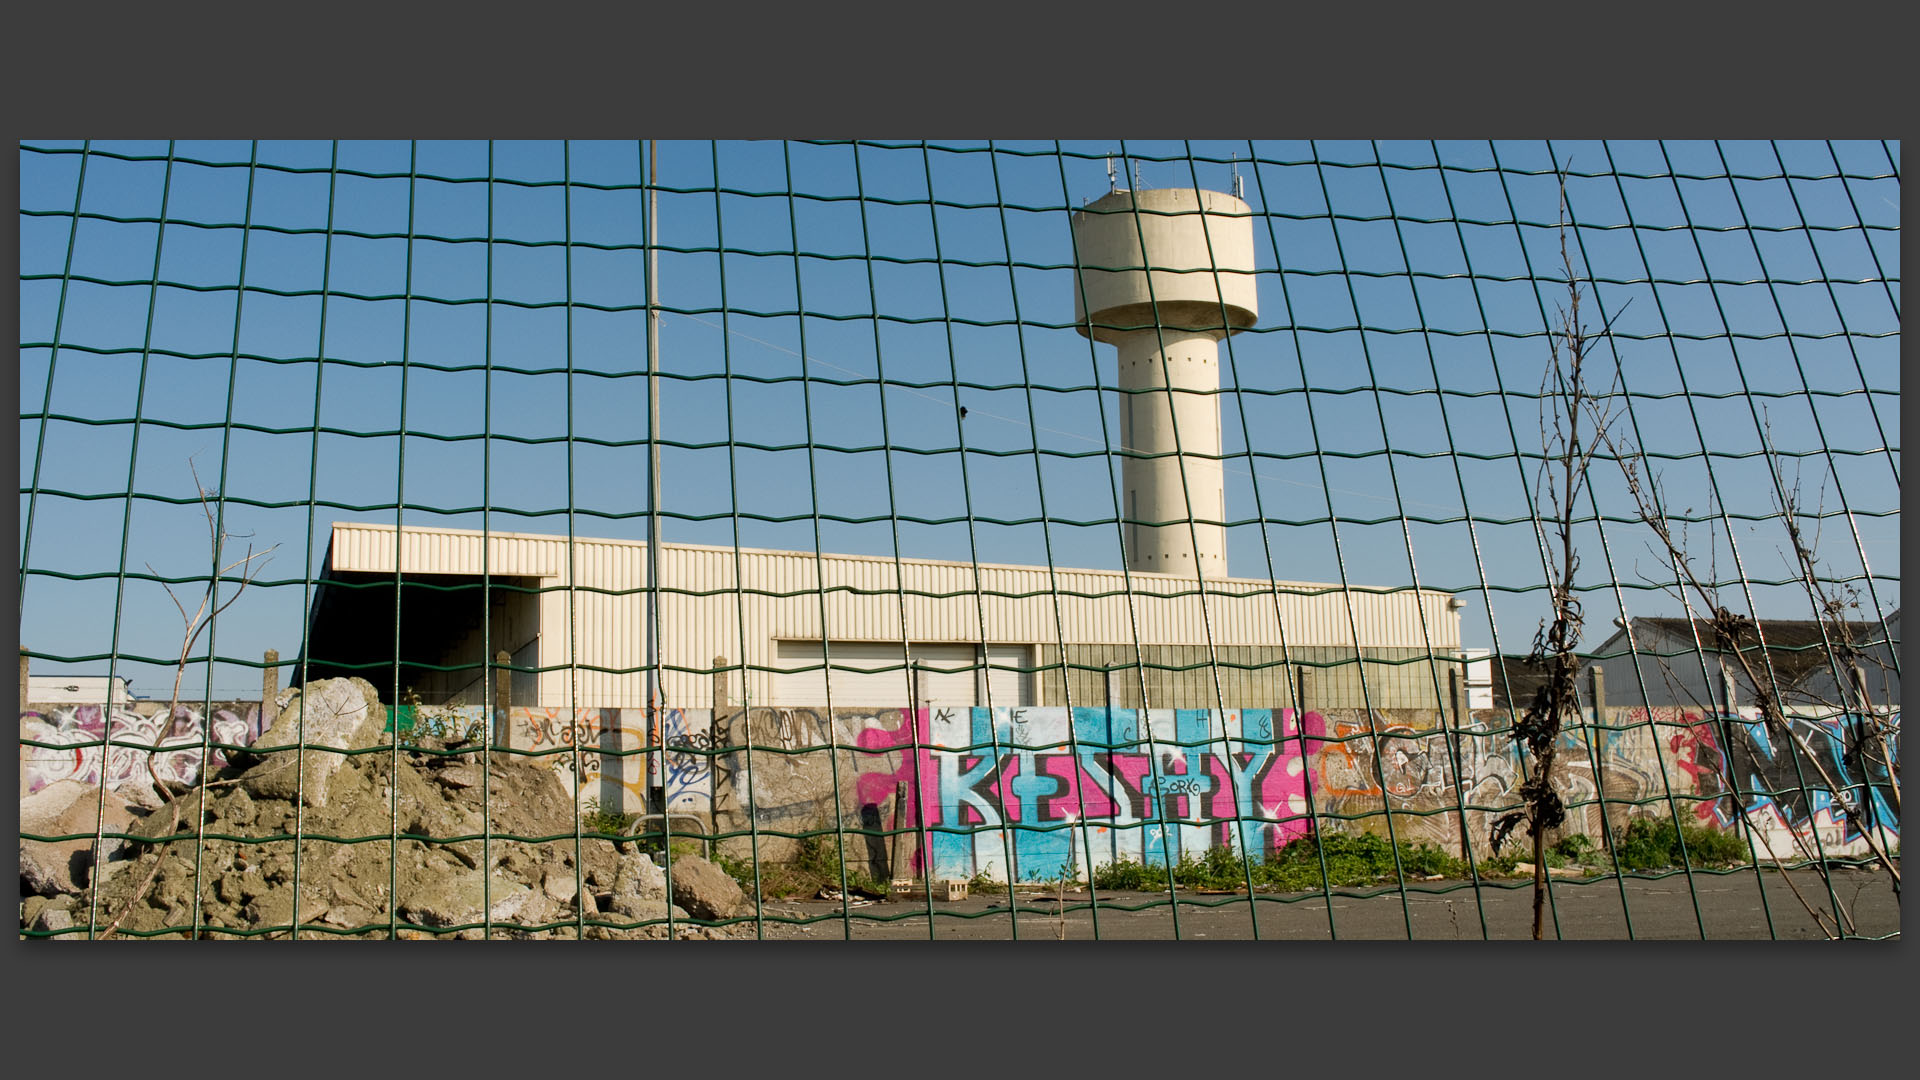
x: 1456, y: 700
x: 1856, y: 672
x: 1597, y: 681
x: 269, y: 688
x: 896, y: 857
x: 502, y: 700
x: 726, y: 792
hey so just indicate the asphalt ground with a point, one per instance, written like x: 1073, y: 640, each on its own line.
x: 1711, y: 906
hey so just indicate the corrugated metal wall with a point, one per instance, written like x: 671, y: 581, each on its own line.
x: 1180, y: 677
x: 802, y: 596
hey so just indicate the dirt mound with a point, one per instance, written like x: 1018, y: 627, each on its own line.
x: 349, y: 877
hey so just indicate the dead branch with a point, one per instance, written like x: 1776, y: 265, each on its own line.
x: 193, y: 625
x: 1567, y: 451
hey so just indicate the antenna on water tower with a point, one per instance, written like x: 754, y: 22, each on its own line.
x: 1239, y: 189
x: 1113, y: 181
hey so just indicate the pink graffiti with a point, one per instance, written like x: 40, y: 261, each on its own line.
x: 874, y: 788
x: 1697, y: 752
x: 1279, y: 790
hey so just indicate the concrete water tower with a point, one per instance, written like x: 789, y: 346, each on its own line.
x: 1164, y: 275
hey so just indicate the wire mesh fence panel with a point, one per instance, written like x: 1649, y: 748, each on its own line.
x: 863, y: 539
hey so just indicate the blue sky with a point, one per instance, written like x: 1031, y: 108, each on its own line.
x: 1385, y: 279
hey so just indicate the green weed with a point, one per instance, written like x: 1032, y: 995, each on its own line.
x: 1578, y: 849
x: 815, y: 867
x: 1351, y: 859
x: 1654, y: 844
x: 606, y: 822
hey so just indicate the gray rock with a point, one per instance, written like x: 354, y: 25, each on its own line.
x: 239, y: 808
x: 451, y: 900
x: 345, y: 916
x: 458, y: 777
x: 634, y: 909
x: 539, y: 908
x: 342, y: 714
x: 275, y: 907
x: 638, y: 877
x: 42, y: 809
x: 705, y: 890
x: 68, y: 808
x: 560, y: 886
x: 55, y: 919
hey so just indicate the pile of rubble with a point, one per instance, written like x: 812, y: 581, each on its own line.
x: 349, y: 885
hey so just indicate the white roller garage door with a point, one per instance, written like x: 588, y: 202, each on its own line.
x: 1010, y: 687
x: 948, y: 674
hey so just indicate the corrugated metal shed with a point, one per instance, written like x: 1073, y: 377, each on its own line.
x: 719, y: 602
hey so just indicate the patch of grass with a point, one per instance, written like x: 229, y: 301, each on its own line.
x: 981, y: 882
x: 1129, y: 875
x: 611, y: 823
x: 1351, y: 859
x: 1654, y: 844
x: 815, y: 867
x: 740, y: 870
x: 1578, y: 850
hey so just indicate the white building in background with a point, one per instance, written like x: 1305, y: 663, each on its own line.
x: 573, y: 615
x: 78, y: 690
x: 1165, y: 276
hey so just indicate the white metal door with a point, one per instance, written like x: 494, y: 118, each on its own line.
x: 1009, y: 687
x: 948, y: 675
x: 859, y: 676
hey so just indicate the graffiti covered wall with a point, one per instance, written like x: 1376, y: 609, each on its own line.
x: 138, y: 728
x: 1774, y: 788
x: 1026, y: 792
x: 619, y: 759
x: 1639, y: 763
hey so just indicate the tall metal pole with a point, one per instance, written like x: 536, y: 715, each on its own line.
x: 654, y: 727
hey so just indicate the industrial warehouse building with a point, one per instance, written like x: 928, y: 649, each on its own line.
x: 1165, y: 275
x: 572, y: 617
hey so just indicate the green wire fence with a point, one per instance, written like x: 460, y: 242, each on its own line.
x: 859, y: 539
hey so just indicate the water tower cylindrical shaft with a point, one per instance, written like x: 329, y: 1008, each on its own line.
x: 1170, y: 416
x: 1164, y: 275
